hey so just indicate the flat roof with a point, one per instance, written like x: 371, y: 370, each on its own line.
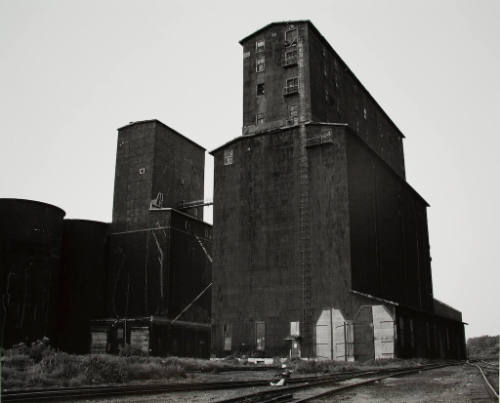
x: 266, y: 27
x: 140, y: 122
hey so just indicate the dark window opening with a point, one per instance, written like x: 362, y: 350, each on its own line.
x: 260, y: 89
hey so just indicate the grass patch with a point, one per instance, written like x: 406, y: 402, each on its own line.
x: 39, y: 365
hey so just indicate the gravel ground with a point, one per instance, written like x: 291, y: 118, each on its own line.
x: 182, y: 397
x: 450, y: 384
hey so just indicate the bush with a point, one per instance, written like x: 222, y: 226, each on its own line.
x: 483, y: 346
x: 102, y: 368
x: 38, y: 364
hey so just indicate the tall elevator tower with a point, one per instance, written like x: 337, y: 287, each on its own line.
x: 315, y: 228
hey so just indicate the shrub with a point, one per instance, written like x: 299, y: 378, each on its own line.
x: 102, y: 368
x: 483, y: 346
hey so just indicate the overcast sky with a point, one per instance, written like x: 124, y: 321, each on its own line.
x: 72, y: 72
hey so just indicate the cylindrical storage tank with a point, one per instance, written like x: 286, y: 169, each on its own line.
x: 82, y: 282
x: 30, y: 252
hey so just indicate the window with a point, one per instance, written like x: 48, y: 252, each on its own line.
x: 325, y: 71
x: 259, y: 118
x: 260, y: 63
x: 228, y: 157
x: 291, y: 36
x: 290, y: 58
x: 402, y: 331
x: 226, y: 329
x: 293, y: 111
x: 327, y: 97
x: 119, y: 335
x: 260, y: 45
x: 260, y: 336
x: 98, y: 341
x: 139, y: 339
x: 291, y: 86
x: 295, y: 329
x: 260, y: 89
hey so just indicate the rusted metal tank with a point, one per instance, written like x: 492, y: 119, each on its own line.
x: 82, y: 284
x: 30, y: 252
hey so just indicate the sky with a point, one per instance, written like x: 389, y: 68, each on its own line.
x: 72, y: 72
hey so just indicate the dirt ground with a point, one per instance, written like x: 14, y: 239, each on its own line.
x: 450, y: 384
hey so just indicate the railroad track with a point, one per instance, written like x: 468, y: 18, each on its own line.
x: 296, y: 393
x: 296, y: 384
x: 487, y: 371
x: 51, y: 394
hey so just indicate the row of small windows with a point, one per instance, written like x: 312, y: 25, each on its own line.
x: 259, y: 334
x: 291, y: 87
x: 290, y: 56
x: 290, y: 59
x: 291, y: 37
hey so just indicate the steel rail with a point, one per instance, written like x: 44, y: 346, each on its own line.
x: 270, y: 395
x: 53, y: 394
x: 49, y: 394
x: 489, y: 386
x: 109, y: 391
x: 369, y: 381
x: 489, y: 364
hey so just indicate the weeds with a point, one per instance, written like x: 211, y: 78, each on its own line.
x: 37, y: 365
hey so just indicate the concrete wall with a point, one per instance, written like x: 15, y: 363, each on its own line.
x: 281, y: 235
x: 153, y: 158
x: 256, y: 226
x: 133, y: 175
x: 328, y: 90
x: 273, y: 104
x: 338, y: 96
